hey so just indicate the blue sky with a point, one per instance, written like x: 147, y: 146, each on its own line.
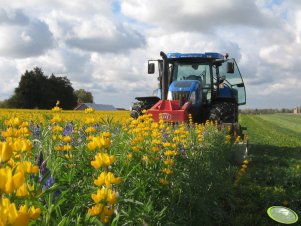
x: 103, y: 45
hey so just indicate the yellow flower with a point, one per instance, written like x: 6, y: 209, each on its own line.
x: 227, y: 139
x: 22, y: 191
x: 108, y: 210
x: 130, y: 156
x: 56, y: 118
x: 163, y: 181
x: 95, y: 210
x: 155, y: 149
x: 21, y: 220
x: 90, y: 121
x: 241, y: 171
x: 170, y: 153
x: 99, y: 142
x: 107, y: 179
x: 22, y: 145
x: 13, y: 122
x: 106, y: 134
x: 57, y: 129
x: 58, y: 148
x: 169, y: 162
x: 9, y: 132
x: 27, y: 167
x: 136, y: 148
x: 244, y: 166
x: 24, y: 124
x: 23, y: 132
x: 100, y: 195
x: 246, y: 162
x: 89, y: 110
x: 10, y: 182
x: 102, y: 159
x: 144, y: 158
x: 67, y: 147
x: 167, y: 171
x: 105, y: 219
x: 237, y: 140
x: 112, y: 197
x: 67, y: 139
x: 166, y: 144
x: 68, y: 156
x: 90, y: 129
x: 6, y: 152
x: 34, y: 213
x: 56, y: 109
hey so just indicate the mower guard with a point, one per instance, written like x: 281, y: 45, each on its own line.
x: 170, y: 111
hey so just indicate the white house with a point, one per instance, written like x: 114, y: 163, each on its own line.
x: 297, y: 110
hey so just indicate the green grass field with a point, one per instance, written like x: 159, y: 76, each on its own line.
x: 274, y: 173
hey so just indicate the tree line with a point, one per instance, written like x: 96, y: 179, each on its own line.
x: 38, y: 91
x: 266, y: 111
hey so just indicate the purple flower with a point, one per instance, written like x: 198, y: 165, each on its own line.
x: 68, y: 130
x: 48, y: 183
x: 164, y: 135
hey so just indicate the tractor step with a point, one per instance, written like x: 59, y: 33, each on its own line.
x: 170, y: 111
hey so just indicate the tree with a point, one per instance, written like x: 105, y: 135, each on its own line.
x: 83, y: 96
x: 36, y: 90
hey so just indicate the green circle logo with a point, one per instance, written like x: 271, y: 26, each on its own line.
x: 282, y: 214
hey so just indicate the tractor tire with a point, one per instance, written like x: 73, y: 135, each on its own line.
x: 142, y: 103
x: 224, y: 112
x: 136, y: 109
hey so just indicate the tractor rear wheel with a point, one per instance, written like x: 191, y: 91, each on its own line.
x: 224, y: 112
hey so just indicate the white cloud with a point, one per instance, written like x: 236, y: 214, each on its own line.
x: 18, y: 39
x: 197, y: 15
x: 120, y: 39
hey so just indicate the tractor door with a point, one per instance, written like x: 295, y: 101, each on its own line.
x: 234, y: 80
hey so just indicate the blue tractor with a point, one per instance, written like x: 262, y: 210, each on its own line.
x: 208, y: 84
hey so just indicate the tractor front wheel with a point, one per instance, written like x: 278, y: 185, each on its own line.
x: 137, y: 109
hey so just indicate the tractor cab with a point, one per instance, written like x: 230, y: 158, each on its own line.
x: 202, y: 78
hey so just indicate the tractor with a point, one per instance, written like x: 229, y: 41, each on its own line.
x: 207, y: 86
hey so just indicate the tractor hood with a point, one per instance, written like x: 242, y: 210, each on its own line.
x: 185, y: 90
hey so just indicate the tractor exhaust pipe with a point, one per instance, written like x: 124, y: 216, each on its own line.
x: 164, y: 76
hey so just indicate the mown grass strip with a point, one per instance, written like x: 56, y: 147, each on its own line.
x: 273, y: 176
x: 289, y: 121
x: 264, y: 130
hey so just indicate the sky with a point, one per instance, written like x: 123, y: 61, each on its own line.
x: 103, y: 46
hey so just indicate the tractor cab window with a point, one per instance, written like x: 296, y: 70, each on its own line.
x: 189, y: 71
x: 234, y: 81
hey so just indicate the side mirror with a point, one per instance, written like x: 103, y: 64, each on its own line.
x: 230, y: 67
x: 151, y: 68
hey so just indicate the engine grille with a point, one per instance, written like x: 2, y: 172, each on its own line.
x: 180, y: 95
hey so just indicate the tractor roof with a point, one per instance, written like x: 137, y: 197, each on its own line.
x: 195, y: 55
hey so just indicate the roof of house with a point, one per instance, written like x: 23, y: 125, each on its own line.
x: 95, y: 106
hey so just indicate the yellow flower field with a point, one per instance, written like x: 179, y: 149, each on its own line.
x: 102, y: 167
